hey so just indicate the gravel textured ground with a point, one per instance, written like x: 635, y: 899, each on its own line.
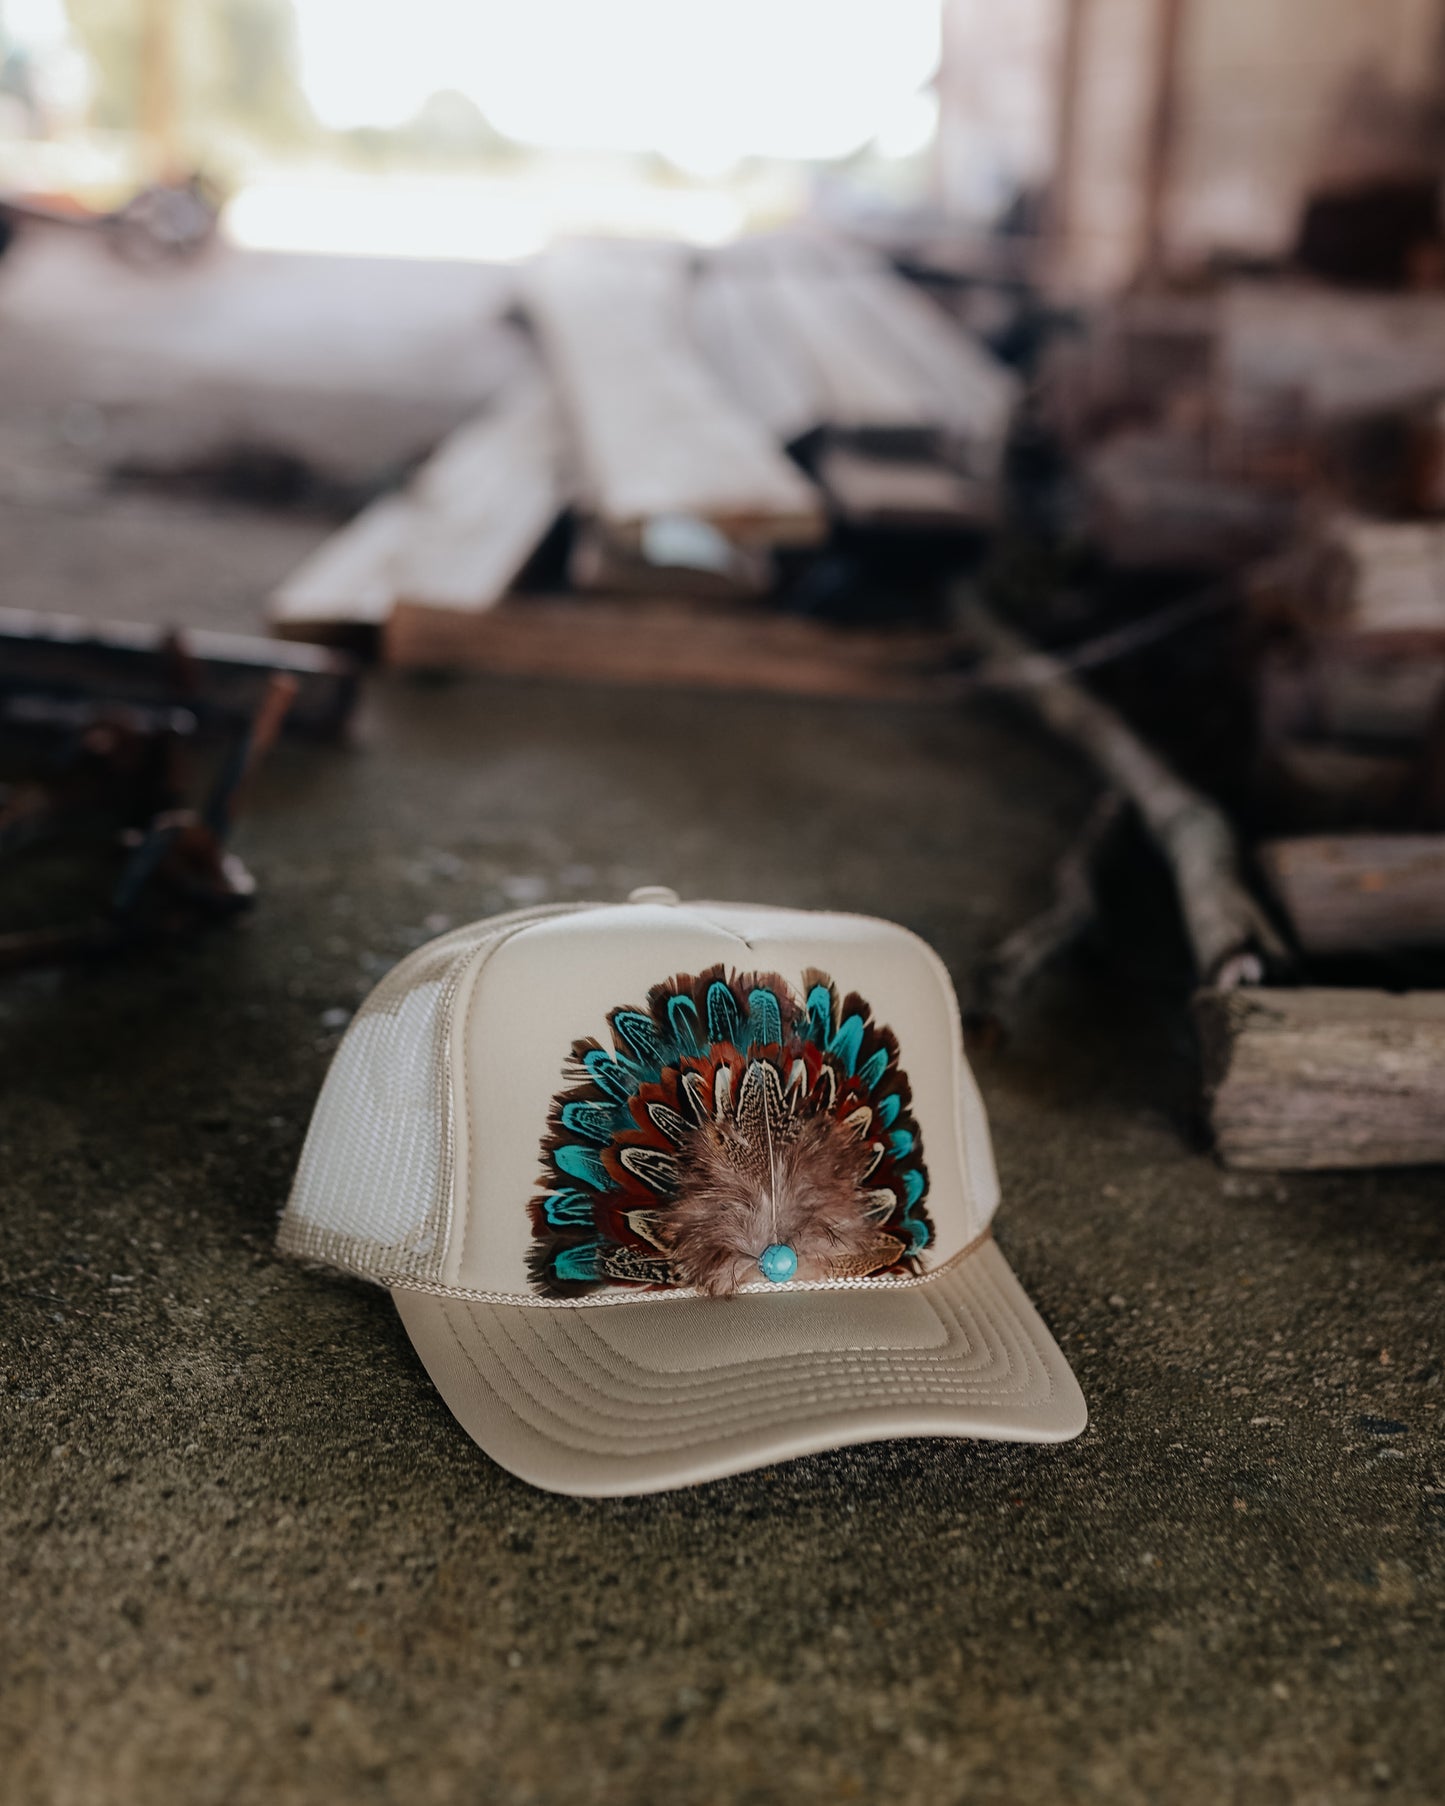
x: 249, y: 1557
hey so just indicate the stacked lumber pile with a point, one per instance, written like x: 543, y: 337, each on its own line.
x: 1285, y: 442
x: 1291, y: 438
x: 1323, y: 1077
x: 694, y: 422
x: 1350, y: 676
x: 1296, y: 1074
x: 454, y: 539
x: 1349, y: 672
x: 909, y: 414
x: 1202, y: 421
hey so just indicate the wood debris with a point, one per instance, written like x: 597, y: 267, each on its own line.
x: 702, y: 424
x: 1231, y: 937
x: 656, y: 433
x: 1319, y: 1078
x: 1350, y: 683
x: 1360, y: 893
x: 1203, y: 420
x: 453, y: 540
x: 220, y: 678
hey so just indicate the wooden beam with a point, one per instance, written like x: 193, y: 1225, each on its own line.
x: 1154, y: 504
x: 480, y: 508
x: 865, y: 384
x: 1360, y: 893
x: 1059, y: 212
x: 1379, y: 584
x: 1320, y: 687
x: 1319, y: 1078
x: 342, y: 593
x: 657, y: 433
x: 1161, y: 149
x: 215, y: 674
x: 959, y: 386
x: 454, y: 539
x: 684, y: 644
x: 752, y: 346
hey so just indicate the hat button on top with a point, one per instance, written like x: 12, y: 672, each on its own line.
x: 654, y: 893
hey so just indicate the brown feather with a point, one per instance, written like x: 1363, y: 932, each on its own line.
x: 731, y: 1206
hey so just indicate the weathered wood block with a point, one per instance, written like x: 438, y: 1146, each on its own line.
x: 1323, y: 688
x: 1360, y: 893
x: 1153, y: 502
x: 1373, y: 587
x: 1318, y: 1078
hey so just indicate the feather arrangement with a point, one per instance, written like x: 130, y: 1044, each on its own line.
x: 733, y: 1131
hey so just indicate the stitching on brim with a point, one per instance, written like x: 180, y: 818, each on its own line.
x: 719, y: 1426
x: 710, y: 1408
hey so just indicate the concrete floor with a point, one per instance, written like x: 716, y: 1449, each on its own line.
x: 249, y: 1557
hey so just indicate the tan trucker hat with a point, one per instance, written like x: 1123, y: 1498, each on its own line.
x: 665, y: 1191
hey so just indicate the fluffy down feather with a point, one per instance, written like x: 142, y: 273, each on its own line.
x: 729, y: 1207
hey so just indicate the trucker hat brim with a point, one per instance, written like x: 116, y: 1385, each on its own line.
x: 648, y: 1395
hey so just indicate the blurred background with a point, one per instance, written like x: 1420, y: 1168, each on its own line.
x: 743, y: 348
x: 747, y: 348
x: 1157, y: 131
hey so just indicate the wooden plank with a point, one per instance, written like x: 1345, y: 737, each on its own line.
x: 1154, y: 504
x: 657, y: 432
x: 752, y: 345
x: 1058, y: 209
x: 1322, y: 354
x: 807, y: 248
x: 1162, y: 149
x: 455, y: 538
x: 1384, y: 581
x: 1360, y: 893
x: 861, y: 353
x: 686, y: 644
x: 1367, y: 588
x: 1322, y: 688
x: 1319, y: 1078
x: 867, y: 386
x: 960, y: 386
x: 215, y: 674
x: 903, y: 494
x: 483, y: 505
x: 343, y: 592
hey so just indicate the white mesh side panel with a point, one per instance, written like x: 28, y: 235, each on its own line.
x: 372, y: 1191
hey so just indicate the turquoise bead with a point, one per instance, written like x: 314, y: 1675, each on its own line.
x: 778, y: 1263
